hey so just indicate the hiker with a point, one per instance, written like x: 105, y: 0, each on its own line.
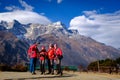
x: 42, y: 56
x: 50, y: 59
x: 58, y: 58
x: 32, y: 53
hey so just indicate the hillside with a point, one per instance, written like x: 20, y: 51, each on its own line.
x: 12, y: 50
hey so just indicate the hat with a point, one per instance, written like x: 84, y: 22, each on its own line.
x: 51, y: 45
x: 37, y: 42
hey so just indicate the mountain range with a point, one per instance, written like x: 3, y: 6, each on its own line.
x: 77, y: 49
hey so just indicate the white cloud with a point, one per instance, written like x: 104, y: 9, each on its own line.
x: 87, y: 13
x: 12, y: 8
x: 24, y: 17
x: 59, y: 1
x: 104, y: 28
x: 26, y: 6
x: 23, y: 4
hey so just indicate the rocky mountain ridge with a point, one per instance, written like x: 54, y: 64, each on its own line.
x: 77, y: 49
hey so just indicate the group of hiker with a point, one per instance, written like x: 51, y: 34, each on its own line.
x: 53, y: 54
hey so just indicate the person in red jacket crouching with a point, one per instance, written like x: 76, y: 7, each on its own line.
x: 58, y: 58
x: 50, y: 58
x: 32, y: 53
x: 42, y: 56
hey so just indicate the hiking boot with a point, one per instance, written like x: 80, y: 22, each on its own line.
x: 61, y: 74
x: 52, y: 73
x: 33, y: 73
x: 58, y: 73
x: 48, y: 73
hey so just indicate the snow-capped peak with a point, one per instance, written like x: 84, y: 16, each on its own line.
x: 32, y: 31
x: 58, y: 24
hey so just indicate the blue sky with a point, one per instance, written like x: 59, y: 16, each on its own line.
x: 65, y: 10
x: 99, y: 19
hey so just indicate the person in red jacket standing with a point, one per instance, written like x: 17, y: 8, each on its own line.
x: 32, y: 53
x: 51, y: 57
x: 42, y: 56
x: 59, y: 56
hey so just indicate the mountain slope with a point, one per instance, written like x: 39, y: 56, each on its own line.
x: 81, y: 51
x: 12, y: 50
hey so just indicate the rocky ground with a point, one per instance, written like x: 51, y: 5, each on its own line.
x: 66, y: 76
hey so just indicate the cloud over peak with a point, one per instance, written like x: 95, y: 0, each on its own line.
x: 104, y: 28
x: 24, y: 17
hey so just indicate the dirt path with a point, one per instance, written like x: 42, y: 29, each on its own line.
x: 66, y: 76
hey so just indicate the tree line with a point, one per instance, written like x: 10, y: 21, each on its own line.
x: 107, y: 65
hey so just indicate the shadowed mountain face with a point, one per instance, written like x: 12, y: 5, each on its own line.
x: 12, y: 50
x: 77, y: 49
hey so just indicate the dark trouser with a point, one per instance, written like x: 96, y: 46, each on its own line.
x: 42, y: 66
x: 52, y: 66
x: 48, y: 62
x: 32, y: 64
x: 58, y: 66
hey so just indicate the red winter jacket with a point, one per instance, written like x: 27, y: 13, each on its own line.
x: 58, y: 51
x: 51, y: 53
x: 32, y: 51
x: 42, y: 54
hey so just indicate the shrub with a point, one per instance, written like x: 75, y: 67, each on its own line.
x: 66, y: 68
x: 4, y: 67
x: 19, y: 67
